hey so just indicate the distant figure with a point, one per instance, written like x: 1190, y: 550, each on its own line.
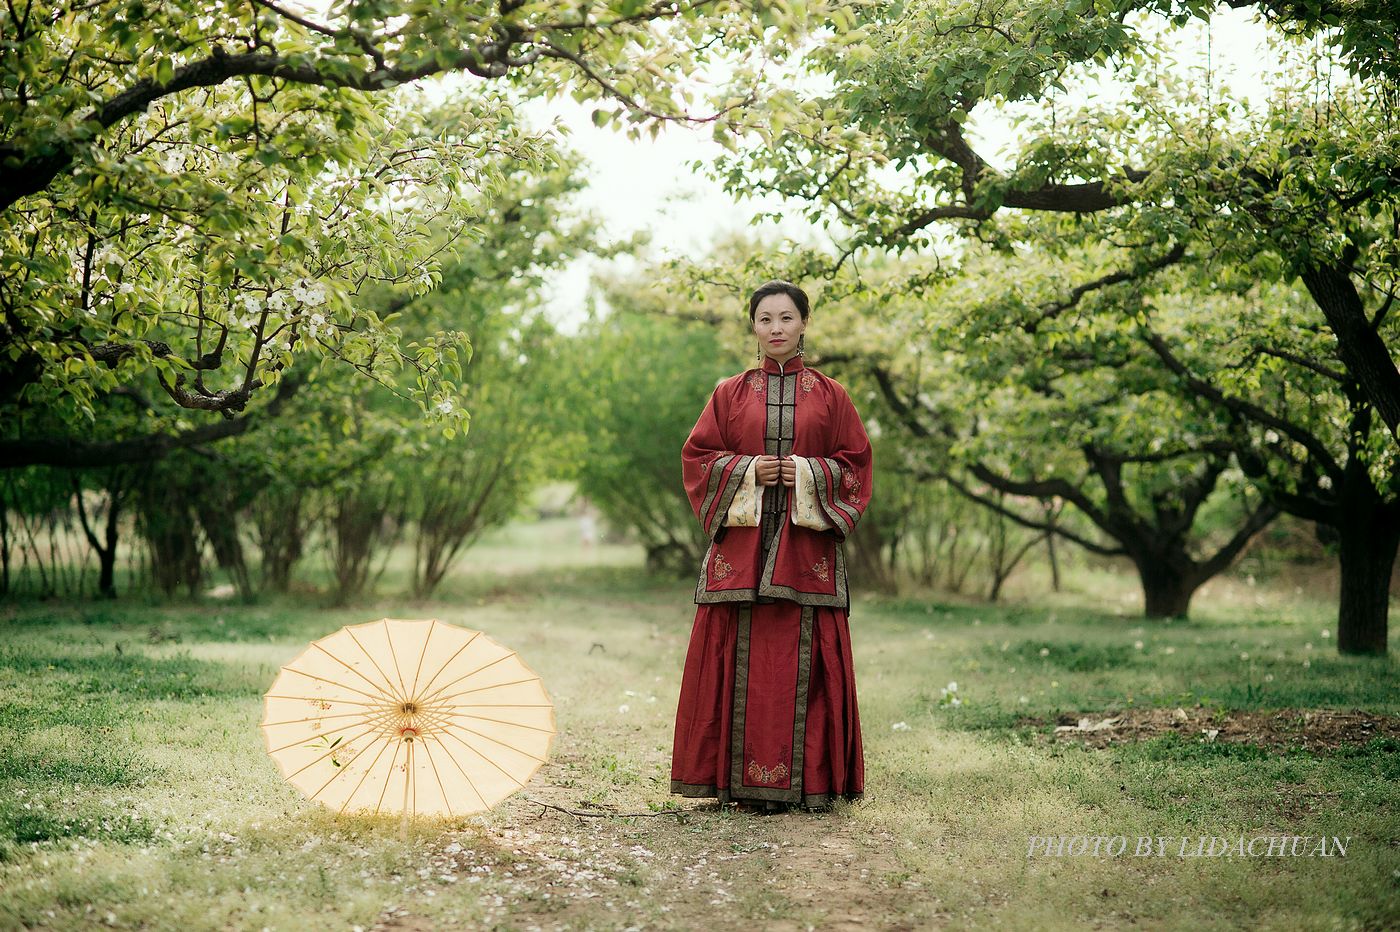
x: 778, y: 469
x: 588, y: 527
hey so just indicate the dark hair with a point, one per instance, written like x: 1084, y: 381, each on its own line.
x: 778, y: 286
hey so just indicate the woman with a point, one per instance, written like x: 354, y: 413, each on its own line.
x: 778, y: 470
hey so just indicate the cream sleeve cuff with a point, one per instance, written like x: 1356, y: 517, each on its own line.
x: 806, y: 510
x: 746, y: 510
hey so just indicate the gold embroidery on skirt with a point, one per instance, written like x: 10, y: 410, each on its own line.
x: 821, y: 570
x: 721, y: 567
x: 766, y: 775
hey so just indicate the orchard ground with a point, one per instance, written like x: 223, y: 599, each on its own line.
x: 135, y: 791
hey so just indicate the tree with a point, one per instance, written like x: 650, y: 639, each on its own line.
x: 1031, y: 398
x: 191, y: 188
x: 1300, y: 427
x: 1169, y: 172
x: 640, y: 381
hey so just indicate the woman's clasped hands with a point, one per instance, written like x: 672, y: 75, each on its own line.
x: 770, y: 470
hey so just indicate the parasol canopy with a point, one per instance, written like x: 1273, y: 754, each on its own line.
x: 409, y: 717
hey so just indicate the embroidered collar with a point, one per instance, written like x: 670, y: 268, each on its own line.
x: 794, y: 364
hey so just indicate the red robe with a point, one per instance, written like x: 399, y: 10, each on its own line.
x: 767, y: 707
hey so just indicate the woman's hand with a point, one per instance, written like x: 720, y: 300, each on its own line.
x: 787, y: 471
x: 767, y: 470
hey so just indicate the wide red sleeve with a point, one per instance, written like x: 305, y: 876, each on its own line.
x: 712, y: 471
x: 844, y: 475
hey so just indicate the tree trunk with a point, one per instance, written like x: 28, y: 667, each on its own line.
x: 1368, y: 540
x: 1166, y: 589
x: 219, y: 519
x: 1361, y: 348
x: 107, y: 556
x: 4, y: 548
x: 106, y: 553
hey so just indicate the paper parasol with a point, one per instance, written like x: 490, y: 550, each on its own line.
x: 411, y: 717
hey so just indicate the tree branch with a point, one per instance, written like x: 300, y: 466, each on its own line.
x: 76, y: 452
x: 1047, y: 527
x: 1239, y: 406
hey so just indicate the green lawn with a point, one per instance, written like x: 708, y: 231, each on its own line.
x: 135, y: 791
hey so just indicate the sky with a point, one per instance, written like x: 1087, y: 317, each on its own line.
x: 647, y: 185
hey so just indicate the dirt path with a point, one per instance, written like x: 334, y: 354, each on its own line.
x: 536, y: 868
x: 1304, y: 729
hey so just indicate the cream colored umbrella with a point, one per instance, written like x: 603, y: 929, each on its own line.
x: 411, y: 717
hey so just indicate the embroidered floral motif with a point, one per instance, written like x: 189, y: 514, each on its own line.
x: 850, y: 482
x: 710, y: 460
x: 721, y: 567
x: 758, y: 382
x: 767, y: 775
x: 821, y: 569
x: 807, y: 380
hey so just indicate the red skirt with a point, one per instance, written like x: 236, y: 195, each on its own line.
x: 767, y: 707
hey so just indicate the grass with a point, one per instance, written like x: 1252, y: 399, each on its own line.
x: 135, y: 792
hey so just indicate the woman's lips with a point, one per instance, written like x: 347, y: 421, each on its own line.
x: 776, y: 342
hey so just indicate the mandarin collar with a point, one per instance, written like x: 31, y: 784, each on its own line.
x: 792, y: 365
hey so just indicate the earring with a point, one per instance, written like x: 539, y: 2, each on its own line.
x: 800, y: 338
x: 758, y: 357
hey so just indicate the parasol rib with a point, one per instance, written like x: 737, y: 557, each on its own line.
x: 313, y: 676
x: 377, y: 721
x: 428, y: 685
x: 316, y: 699
x: 466, y: 776
x: 381, y: 742
x: 482, y: 689
x: 368, y: 770
x: 469, y: 747
x: 314, y: 718
x: 435, y: 694
x: 372, y: 683
x: 367, y: 731
x: 395, y: 656
x: 385, y: 788
x: 375, y: 662
x: 437, y: 776
x: 421, y: 654
x: 500, y: 721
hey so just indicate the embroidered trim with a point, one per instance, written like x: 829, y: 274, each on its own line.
x: 807, y: 380
x: 746, y: 507
x: 722, y: 568
x: 765, y: 775
x: 851, y: 483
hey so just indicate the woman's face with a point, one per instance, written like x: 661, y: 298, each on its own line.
x: 777, y: 324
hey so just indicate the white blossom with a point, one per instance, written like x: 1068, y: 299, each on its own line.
x: 309, y: 292
x: 445, y: 406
